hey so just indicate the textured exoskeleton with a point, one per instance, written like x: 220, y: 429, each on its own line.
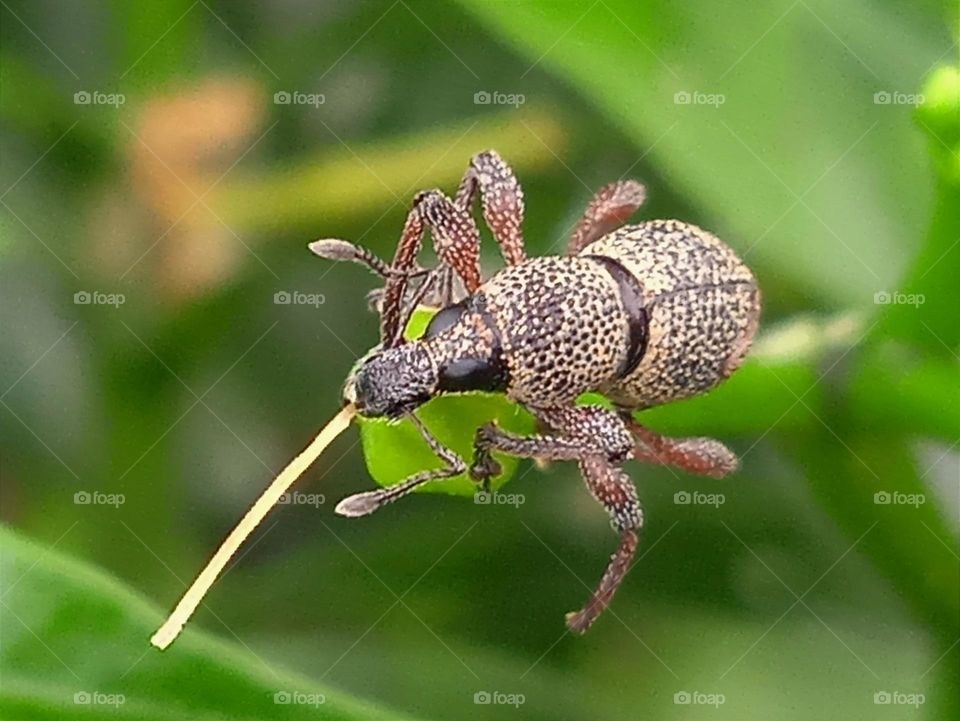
x: 645, y: 314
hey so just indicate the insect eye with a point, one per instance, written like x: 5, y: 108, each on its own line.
x: 445, y: 318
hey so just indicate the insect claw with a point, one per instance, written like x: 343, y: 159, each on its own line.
x: 484, y: 468
x: 359, y: 504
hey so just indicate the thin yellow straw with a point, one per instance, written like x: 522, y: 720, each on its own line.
x: 172, y: 627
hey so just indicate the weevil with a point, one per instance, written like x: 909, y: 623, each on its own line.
x: 644, y: 314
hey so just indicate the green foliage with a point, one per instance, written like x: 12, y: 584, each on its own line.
x: 395, y: 451
x: 103, y: 667
x: 742, y: 161
x: 189, y: 396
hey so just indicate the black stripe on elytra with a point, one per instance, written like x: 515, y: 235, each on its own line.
x: 631, y: 294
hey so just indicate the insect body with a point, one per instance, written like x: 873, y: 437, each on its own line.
x: 645, y: 314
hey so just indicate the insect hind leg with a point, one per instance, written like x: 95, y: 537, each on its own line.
x: 616, y: 492
x: 699, y: 456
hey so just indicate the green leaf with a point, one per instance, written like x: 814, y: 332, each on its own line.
x: 909, y: 539
x: 931, y: 320
x: 395, y: 451
x: 75, y: 646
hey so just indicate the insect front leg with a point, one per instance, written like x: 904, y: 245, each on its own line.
x: 607, y: 210
x: 700, y: 456
x: 457, y: 243
x: 599, y: 441
x: 362, y: 504
x: 502, y: 200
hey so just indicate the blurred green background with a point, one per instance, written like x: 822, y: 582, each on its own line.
x: 164, y: 166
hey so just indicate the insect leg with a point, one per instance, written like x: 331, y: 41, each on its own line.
x: 614, y: 489
x: 580, y: 431
x: 457, y: 242
x: 455, y: 235
x: 599, y: 441
x: 361, y: 504
x: 608, y: 209
x: 700, y: 456
x: 393, y: 319
x: 502, y: 200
